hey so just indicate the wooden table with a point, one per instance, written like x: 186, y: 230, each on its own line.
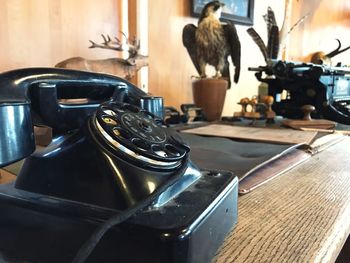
x: 6, y: 177
x: 300, y: 216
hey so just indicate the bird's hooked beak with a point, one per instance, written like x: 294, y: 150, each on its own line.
x: 219, y: 11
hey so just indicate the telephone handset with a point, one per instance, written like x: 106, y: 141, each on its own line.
x: 110, y: 158
x: 107, y: 133
x: 33, y: 96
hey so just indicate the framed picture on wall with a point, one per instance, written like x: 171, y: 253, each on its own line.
x: 239, y: 11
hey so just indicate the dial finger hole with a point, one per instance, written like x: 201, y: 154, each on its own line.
x: 116, y: 132
x: 141, y: 144
x: 172, y: 150
x: 159, y: 151
x: 122, y: 133
x: 108, y: 120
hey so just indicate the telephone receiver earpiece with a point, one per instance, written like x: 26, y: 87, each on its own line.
x: 42, y: 96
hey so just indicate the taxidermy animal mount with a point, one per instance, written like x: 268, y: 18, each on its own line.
x: 326, y: 59
x: 275, y: 37
x: 124, y: 68
x: 212, y: 42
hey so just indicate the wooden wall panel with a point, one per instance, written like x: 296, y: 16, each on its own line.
x: 170, y: 69
x: 44, y: 32
x: 327, y: 21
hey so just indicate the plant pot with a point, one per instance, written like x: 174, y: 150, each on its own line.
x: 209, y: 94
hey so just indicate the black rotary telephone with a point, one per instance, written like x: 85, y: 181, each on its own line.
x: 111, y: 165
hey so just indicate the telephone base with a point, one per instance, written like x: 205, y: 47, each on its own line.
x: 189, y: 228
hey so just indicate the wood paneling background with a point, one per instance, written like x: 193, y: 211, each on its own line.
x: 35, y: 33
x: 44, y: 32
x: 327, y: 21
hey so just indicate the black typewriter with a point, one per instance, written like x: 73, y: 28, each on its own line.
x: 326, y: 88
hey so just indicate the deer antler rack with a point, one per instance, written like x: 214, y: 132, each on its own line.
x: 118, y: 45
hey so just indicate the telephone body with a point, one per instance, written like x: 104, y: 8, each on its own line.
x: 110, y: 154
x: 326, y: 88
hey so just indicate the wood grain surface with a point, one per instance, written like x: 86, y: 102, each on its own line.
x: 6, y: 177
x: 300, y: 216
x: 40, y: 33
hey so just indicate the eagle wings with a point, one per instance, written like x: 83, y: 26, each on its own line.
x: 232, y: 44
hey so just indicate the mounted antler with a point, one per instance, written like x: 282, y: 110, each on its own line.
x: 124, y: 68
x: 322, y: 58
x: 337, y: 51
x: 118, y: 45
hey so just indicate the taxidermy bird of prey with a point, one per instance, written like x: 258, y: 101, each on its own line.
x: 212, y: 42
